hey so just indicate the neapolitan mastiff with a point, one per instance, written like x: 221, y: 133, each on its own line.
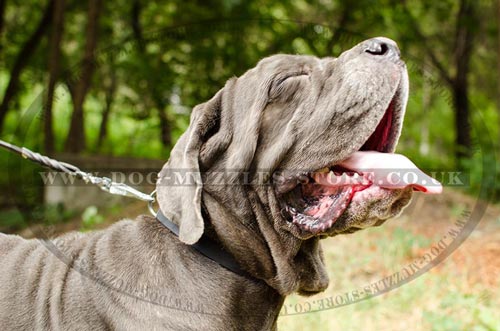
x: 310, y: 126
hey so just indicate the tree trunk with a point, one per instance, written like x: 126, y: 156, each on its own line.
x: 424, y: 146
x: 75, y: 142
x: 103, y: 129
x: 165, y: 129
x: 54, y: 55
x: 498, y: 76
x: 136, y: 25
x: 465, y: 24
x: 460, y: 86
x: 22, y: 60
x: 462, y: 125
x: 2, y: 19
x: 159, y: 103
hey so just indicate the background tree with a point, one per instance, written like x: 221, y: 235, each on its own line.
x: 137, y: 68
x: 76, y: 136
x: 22, y: 60
x: 53, y: 68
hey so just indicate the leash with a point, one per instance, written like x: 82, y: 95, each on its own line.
x: 205, y: 245
x: 104, y: 183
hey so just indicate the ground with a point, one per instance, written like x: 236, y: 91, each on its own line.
x: 460, y: 293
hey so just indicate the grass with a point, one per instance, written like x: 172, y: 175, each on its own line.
x: 446, y: 298
x: 459, y: 294
x: 428, y: 303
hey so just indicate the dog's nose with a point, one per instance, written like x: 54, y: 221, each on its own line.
x: 383, y: 47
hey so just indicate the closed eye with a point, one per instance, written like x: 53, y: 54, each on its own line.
x: 292, y: 75
x: 286, y: 84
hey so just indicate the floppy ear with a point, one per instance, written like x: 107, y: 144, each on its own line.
x: 179, y: 184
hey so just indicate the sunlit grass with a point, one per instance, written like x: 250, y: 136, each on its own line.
x: 441, y: 299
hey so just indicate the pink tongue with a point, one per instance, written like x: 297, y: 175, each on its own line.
x: 392, y: 171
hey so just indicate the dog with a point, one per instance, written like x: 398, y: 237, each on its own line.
x: 289, y: 130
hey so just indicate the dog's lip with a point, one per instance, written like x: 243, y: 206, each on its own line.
x: 390, y: 126
x: 287, y: 181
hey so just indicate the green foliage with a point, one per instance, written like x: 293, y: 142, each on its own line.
x: 14, y: 220
x: 91, y: 218
x: 184, y: 51
x: 174, y: 55
x: 53, y: 214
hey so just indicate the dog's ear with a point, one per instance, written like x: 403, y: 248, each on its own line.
x: 179, y: 186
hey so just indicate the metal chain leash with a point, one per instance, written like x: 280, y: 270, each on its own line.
x: 104, y: 183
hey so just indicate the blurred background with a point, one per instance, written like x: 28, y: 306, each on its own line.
x: 110, y: 86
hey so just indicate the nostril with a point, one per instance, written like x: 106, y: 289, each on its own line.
x: 383, y: 48
x: 378, y: 48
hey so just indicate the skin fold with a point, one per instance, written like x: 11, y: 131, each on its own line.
x: 289, y: 114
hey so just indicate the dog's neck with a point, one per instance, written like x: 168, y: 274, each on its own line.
x: 207, y: 245
x: 272, y: 255
x: 243, y: 302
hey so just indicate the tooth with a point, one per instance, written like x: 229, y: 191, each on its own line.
x: 370, y: 175
x: 323, y: 170
x: 332, y: 179
x: 315, y: 228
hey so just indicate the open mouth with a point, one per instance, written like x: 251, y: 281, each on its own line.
x: 314, y: 201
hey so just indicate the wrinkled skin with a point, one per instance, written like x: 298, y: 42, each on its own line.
x: 290, y: 114
x: 137, y: 275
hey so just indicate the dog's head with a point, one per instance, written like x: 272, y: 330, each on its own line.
x: 277, y: 158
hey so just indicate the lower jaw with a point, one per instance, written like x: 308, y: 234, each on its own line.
x: 321, y: 216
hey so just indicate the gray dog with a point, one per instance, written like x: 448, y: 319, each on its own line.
x: 298, y: 130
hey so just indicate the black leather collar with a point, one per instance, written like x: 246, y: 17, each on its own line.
x: 207, y: 247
